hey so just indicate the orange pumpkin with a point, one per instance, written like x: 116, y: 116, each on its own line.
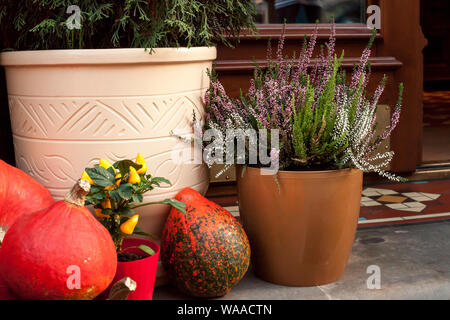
x: 61, y: 252
x: 205, y: 251
x: 19, y: 194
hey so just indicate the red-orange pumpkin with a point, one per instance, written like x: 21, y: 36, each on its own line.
x: 5, y: 292
x: 44, y: 253
x: 19, y: 194
x: 205, y: 251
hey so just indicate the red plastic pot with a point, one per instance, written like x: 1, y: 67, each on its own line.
x: 143, y: 271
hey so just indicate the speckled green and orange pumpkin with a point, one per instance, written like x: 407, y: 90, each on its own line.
x: 204, y: 251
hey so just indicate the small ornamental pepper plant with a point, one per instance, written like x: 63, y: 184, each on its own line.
x: 116, y: 190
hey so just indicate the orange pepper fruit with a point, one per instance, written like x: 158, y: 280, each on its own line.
x: 128, y: 226
x: 134, y: 176
x: 117, y: 183
x: 99, y: 214
x: 106, y: 204
x: 140, y: 160
x: 106, y: 164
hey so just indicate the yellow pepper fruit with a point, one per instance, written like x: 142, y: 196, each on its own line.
x: 140, y: 160
x: 117, y: 183
x: 128, y: 226
x: 106, y: 204
x: 106, y: 164
x: 133, y: 177
x: 99, y: 214
x: 85, y: 176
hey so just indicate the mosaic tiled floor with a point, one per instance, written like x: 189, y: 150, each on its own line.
x: 391, y: 204
x: 405, y: 202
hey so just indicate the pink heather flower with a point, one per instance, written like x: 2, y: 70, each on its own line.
x: 274, y: 95
x: 269, y: 51
x: 331, y: 47
x: 305, y: 57
x: 281, y: 45
x: 360, y: 69
x: 394, y: 121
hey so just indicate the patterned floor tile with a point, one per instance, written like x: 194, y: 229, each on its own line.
x: 369, y: 193
x: 433, y: 196
x: 385, y: 191
x: 370, y: 203
x: 418, y: 209
x: 414, y: 204
x: 430, y: 198
x: 412, y: 194
x: 421, y: 198
x: 395, y: 199
x: 396, y: 206
x: 427, y: 197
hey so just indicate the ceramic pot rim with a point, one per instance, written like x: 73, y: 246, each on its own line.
x: 319, y: 174
x: 106, y: 56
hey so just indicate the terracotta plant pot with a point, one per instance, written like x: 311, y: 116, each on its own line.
x: 301, y: 235
x: 69, y: 108
x: 143, y: 271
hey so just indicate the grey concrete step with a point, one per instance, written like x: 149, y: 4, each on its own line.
x: 413, y: 260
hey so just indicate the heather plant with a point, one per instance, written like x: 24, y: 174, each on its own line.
x: 41, y: 24
x: 324, y: 121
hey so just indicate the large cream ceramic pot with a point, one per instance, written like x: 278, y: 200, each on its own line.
x: 69, y: 108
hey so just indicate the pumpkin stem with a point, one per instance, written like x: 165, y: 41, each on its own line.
x: 79, y: 191
x: 121, y: 289
x: 2, y: 235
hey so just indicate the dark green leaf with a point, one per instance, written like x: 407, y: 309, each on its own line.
x: 147, y: 249
x: 142, y: 247
x: 111, y: 170
x: 139, y: 231
x: 100, y: 176
x: 125, y: 191
x: 115, y: 196
x: 124, y: 166
x: 123, y: 219
x: 137, y: 197
x: 158, y: 180
x: 98, y: 195
x: 126, y: 211
x: 107, y: 211
x: 95, y: 189
x: 181, y: 206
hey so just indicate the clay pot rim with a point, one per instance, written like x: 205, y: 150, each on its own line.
x: 106, y: 56
x: 145, y: 242
x: 311, y: 174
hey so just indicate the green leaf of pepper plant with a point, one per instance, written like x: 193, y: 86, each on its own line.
x: 147, y: 249
x: 100, y: 176
x: 125, y: 191
x: 124, y: 166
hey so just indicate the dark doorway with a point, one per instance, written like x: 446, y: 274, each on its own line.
x: 436, y: 103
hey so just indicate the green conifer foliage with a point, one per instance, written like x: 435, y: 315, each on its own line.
x: 41, y: 24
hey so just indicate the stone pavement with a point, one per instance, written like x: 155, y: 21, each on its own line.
x: 414, y: 262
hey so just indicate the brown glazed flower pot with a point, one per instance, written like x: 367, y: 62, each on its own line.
x: 302, y: 234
